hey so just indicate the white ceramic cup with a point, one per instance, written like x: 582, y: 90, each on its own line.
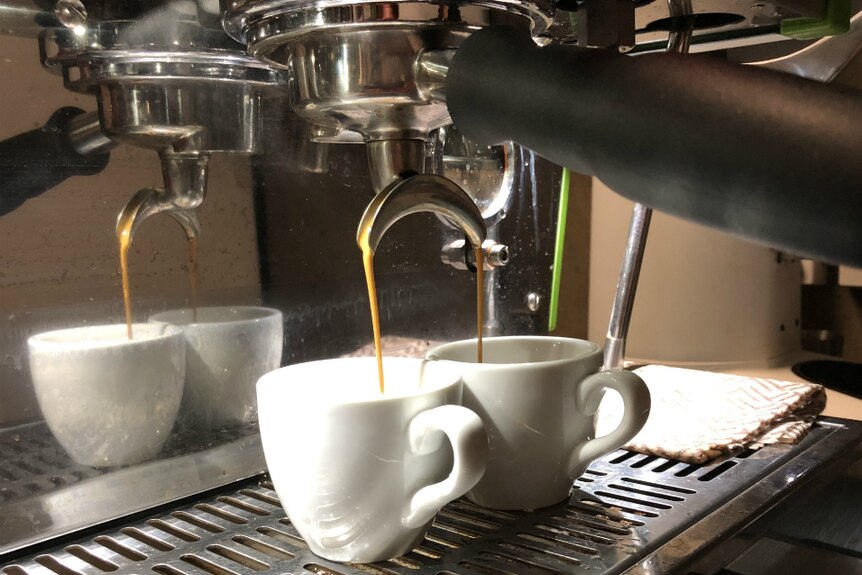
x: 362, y: 474
x: 107, y: 399
x: 228, y: 349
x: 538, y: 396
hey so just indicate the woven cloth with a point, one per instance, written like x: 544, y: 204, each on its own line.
x: 698, y: 415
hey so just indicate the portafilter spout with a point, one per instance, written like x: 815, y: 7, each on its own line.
x: 420, y: 193
x: 391, y: 160
x: 185, y: 177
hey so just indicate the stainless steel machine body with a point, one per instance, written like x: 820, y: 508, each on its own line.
x: 331, y: 103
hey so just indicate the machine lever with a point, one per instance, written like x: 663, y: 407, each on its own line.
x: 69, y: 144
x: 756, y: 153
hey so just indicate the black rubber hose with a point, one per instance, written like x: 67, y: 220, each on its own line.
x: 36, y: 161
x: 760, y: 154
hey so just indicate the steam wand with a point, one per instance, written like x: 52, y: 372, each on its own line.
x: 678, y: 42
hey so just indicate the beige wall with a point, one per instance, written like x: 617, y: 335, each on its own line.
x: 58, y: 255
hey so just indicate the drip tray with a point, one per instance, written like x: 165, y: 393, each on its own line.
x: 40, y: 485
x: 629, y: 513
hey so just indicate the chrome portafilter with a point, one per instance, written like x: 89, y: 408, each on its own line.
x: 166, y: 83
x: 354, y: 66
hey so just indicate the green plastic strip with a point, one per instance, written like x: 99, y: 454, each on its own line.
x: 558, y: 250
x: 837, y: 21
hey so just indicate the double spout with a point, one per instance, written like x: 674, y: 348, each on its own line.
x: 420, y: 193
x: 185, y: 178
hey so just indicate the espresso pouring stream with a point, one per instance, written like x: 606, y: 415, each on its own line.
x: 125, y: 224
x: 368, y: 263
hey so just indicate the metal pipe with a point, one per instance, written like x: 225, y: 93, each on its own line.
x: 621, y: 311
x: 679, y: 40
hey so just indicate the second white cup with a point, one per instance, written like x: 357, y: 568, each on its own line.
x: 227, y: 349
x: 538, y: 396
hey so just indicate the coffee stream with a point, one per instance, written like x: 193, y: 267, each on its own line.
x: 480, y: 297
x: 368, y: 263
x: 124, y: 235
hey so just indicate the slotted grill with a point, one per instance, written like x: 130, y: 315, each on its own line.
x: 626, y: 507
x: 33, y: 463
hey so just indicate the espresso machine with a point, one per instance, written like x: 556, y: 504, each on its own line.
x: 275, y: 123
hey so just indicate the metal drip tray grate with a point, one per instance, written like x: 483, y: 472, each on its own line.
x: 623, y: 513
x: 33, y: 463
x: 39, y: 482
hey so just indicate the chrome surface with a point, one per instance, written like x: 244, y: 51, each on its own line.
x: 85, y: 134
x: 497, y: 255
x: 389, y: 160
x: 266, y: 25
x: 459, y: 255
x: 336, y: 84
x: 166, y: 84
x: 421, y: 193
x: 159, y: 115
x: 486, y: 173
x: 629, y: 513
x: 824, y: 59
x: 45, y: 494
x: 71, y: 13
x: 533, y: 301
x: 340, y: 82
x: 184, y: 191
x: 185, y: 177
x: 163, y: 82
x: 432, y: 66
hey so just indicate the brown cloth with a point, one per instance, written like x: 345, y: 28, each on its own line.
x: 699, y: 415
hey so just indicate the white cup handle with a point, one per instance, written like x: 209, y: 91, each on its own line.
x: 469, y: 445
x: 636, y: 401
